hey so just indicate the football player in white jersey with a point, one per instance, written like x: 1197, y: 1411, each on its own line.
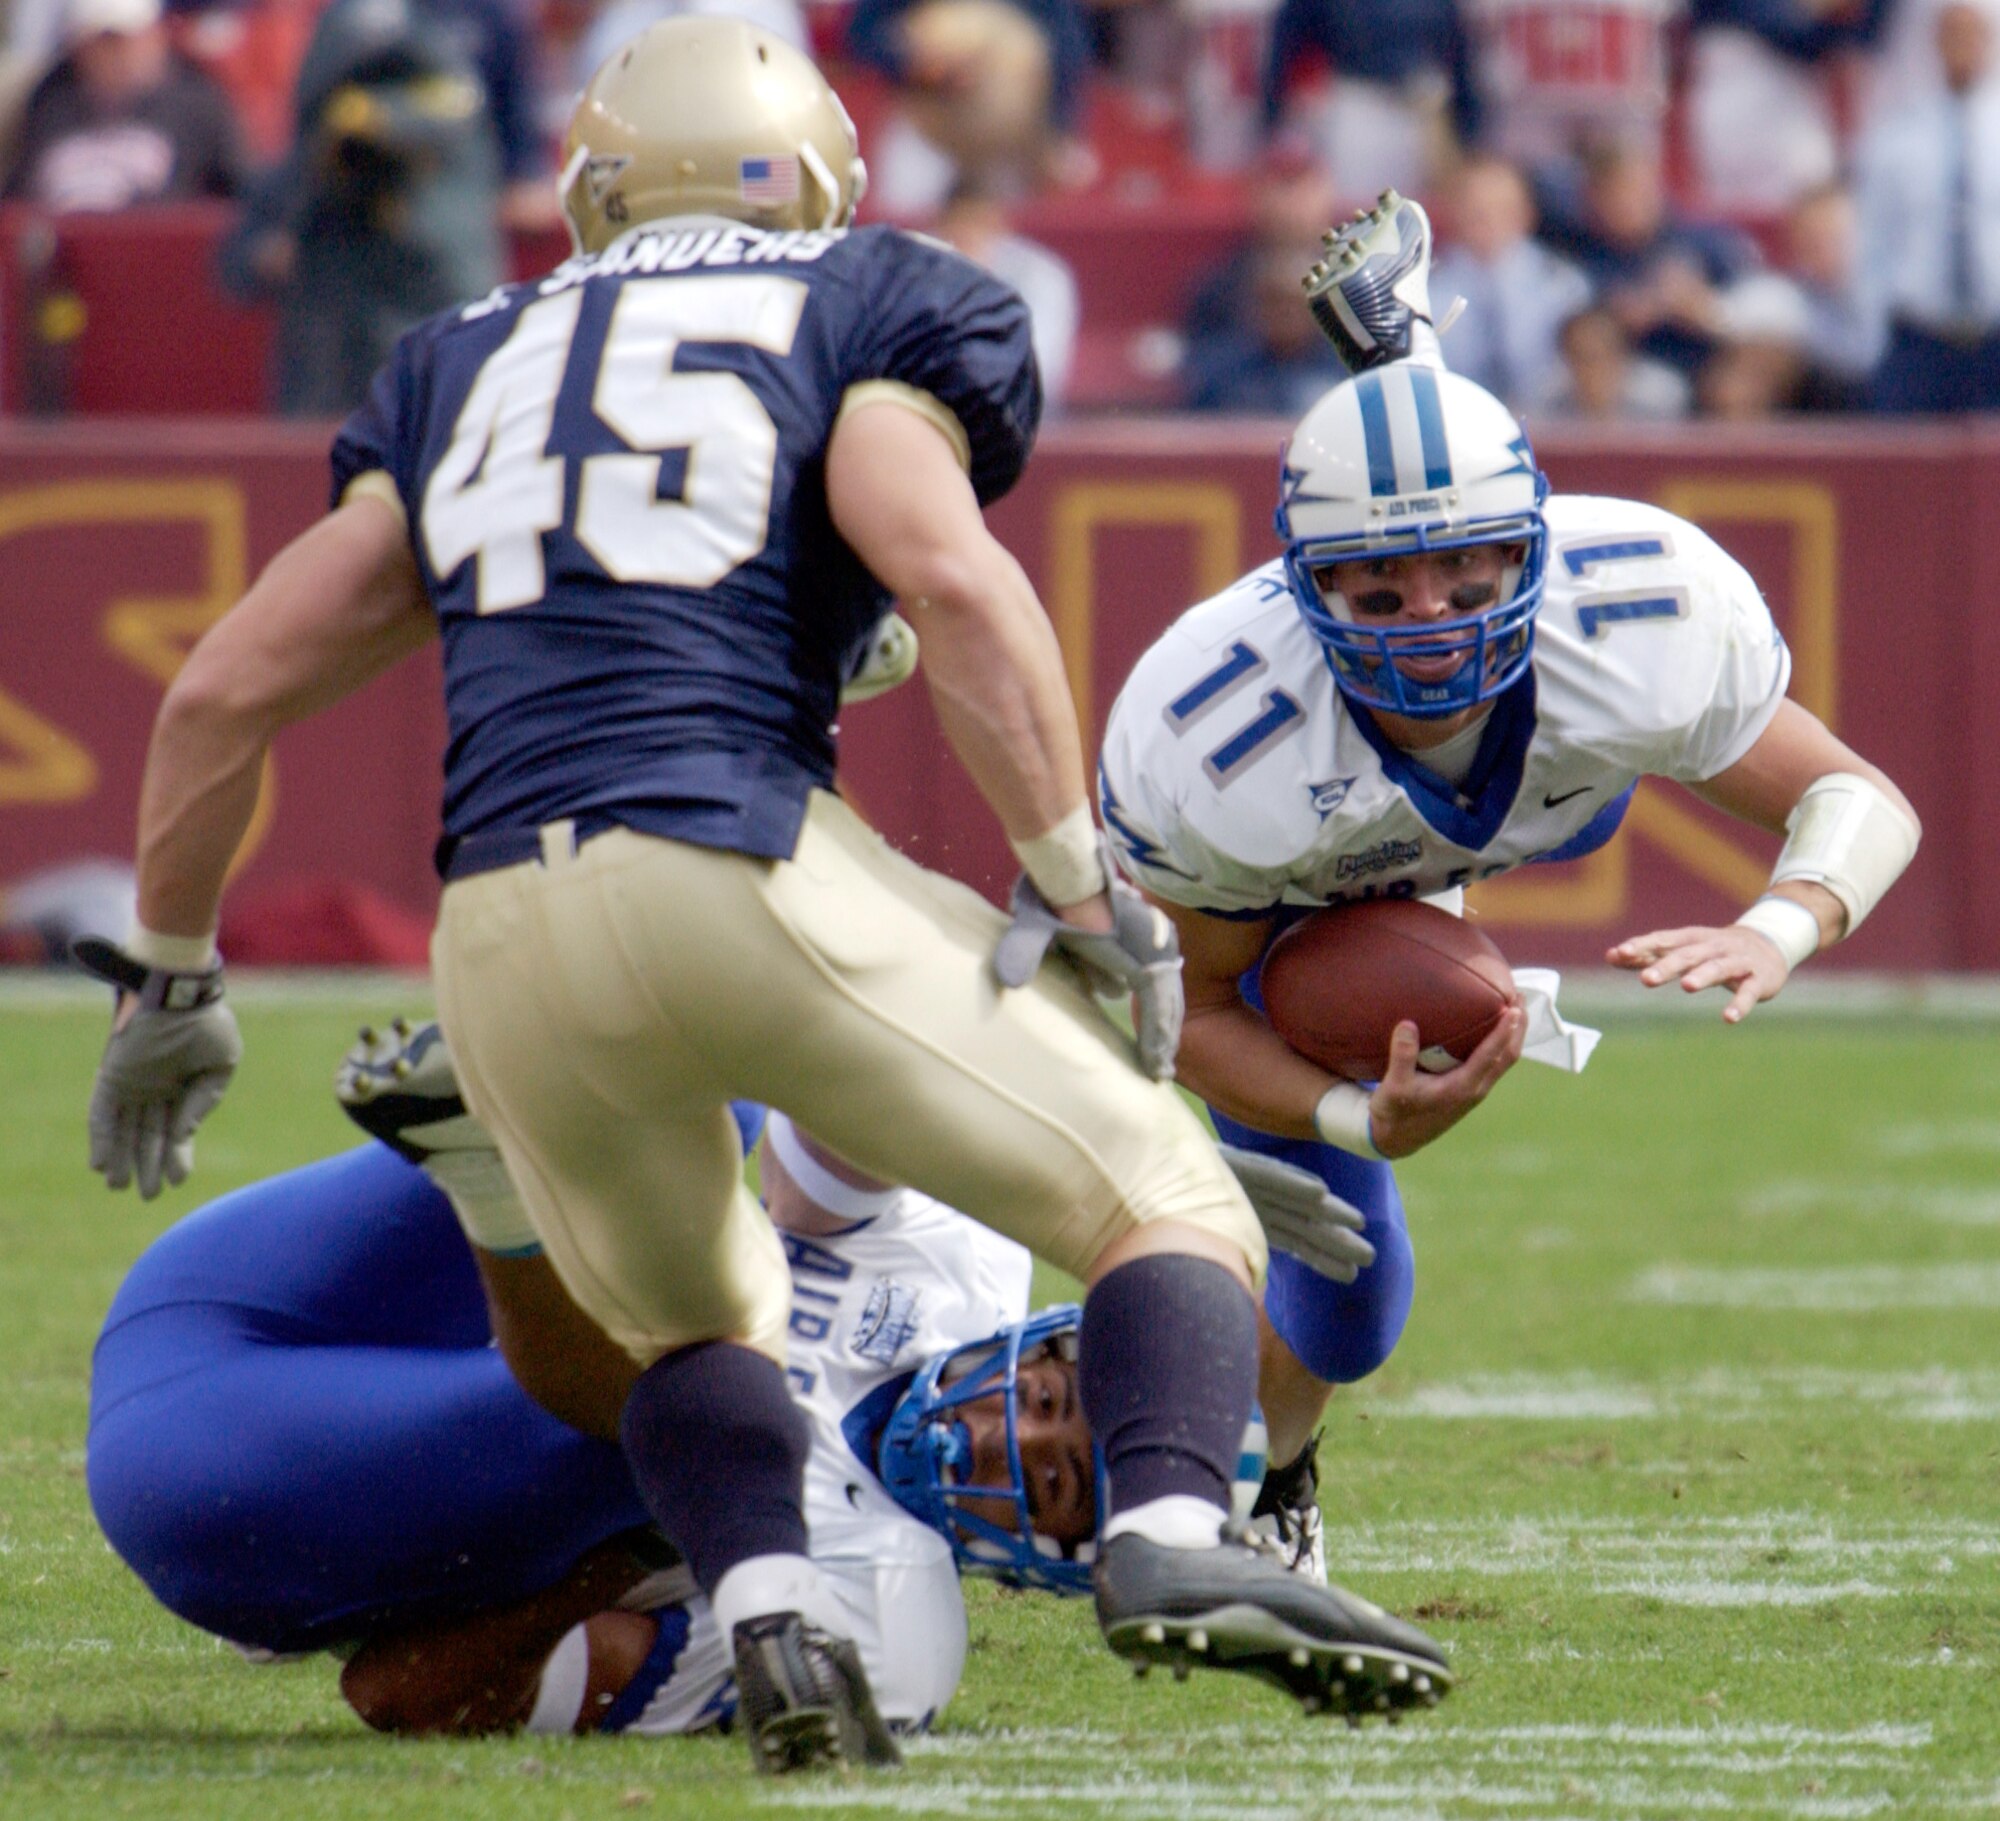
x: 1448, y: 674
x: 302, y: 1439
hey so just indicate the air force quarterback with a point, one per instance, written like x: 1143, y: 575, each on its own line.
x: 1448, y: 674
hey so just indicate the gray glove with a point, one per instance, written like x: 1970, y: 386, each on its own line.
x: 1140, y: 957
x: 1302, y: 1216
x: 173, y: 1047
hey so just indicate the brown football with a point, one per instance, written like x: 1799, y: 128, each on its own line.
x: 1337, y: 983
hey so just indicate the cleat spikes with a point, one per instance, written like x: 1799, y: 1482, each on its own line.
x: 367, y: 1034
x: 1155, y: 1633
x: 1197, y: 1640
x: 1300, y: 1656
x: 1399, y: 1672
x: 1350, y: 1665
x: 1422, y: 1685
x: 402, y: 1068
x: 1141, y: 1670
x: 1182, y: 1668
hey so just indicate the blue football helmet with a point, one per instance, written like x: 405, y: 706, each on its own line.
x: 1401, y: 460
x: 925, y: 1456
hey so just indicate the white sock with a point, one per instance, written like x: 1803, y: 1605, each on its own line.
x: 565, y: 1678
x: 1178, y: 1521
x: 775, y: 1583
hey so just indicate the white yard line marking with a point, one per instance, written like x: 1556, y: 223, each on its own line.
x: 1942, y: 1204
x: 1934, y: 1395
x: 1829, y: 1289
x: 1531, y: 1772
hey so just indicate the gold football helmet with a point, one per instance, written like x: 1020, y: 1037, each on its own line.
x: 708, y: 116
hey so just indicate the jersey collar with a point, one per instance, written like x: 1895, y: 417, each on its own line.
x: 1470, y: 816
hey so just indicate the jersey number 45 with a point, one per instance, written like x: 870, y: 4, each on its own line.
x: 499, y: 485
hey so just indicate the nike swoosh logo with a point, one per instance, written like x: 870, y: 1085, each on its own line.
x: 1581, y: 790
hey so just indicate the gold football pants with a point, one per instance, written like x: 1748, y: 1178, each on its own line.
x: 605, y: 1003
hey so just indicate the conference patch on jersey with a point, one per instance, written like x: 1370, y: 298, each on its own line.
x: 766, y: 181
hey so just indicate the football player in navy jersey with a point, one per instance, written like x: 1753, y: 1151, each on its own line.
x: 656, y: 504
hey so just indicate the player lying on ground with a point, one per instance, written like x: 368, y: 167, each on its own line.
x: 1450, y: 673
x: 656, y: 504
x: 302, y: 1439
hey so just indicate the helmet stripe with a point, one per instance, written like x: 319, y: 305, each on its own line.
x: 1430, y: 427
x: 1375, y: 434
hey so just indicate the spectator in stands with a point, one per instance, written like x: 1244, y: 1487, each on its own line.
x: 1402, y: 98
x: 1561, y: 76
x: 1604, y: 379
x: 1841, y: 345
x: 1251, y: 345
x: 1762, y: 96
x: 122, y: 119
x: 1928, y: 191
x: 975, y: 221
x: 1759, y: 367
x: 1517, y: 292
x: 386, y: 209
x: 985, y: 88
x: 253, y: 49
x: 1661, y: 273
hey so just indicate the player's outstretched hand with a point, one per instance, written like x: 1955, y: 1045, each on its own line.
x: 1736, y: 957
x: 1301, y: 1215
x: 1134, y: 952
x: 1411, y: 1106
x: 173, y: 1047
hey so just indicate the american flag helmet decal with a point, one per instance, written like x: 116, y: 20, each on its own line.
x: 768, y: 182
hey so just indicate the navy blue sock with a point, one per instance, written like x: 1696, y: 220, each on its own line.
x: 1167, y: 1369
x: 718, y: 1449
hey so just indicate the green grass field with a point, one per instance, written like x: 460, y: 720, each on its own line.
x: 1691, y: 1457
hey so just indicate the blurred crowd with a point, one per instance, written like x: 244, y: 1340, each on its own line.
x: 1645, y: 209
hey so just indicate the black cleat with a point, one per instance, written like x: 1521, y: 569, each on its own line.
x: 1233, y: 1607
x: 803, y: 1699
x: 1287, y: 1514
x: 1370, y: 288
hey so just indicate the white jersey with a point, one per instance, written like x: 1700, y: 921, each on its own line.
x: 869, y: 1306
x: 1235, y: 777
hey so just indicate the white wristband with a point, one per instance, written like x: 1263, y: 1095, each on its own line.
x: 565, y: 1681
x: 817, y: 1183
x: 1066, y: 862
x: 170, y: 954
x: 1341, y: 1118
x: 1787, y: 924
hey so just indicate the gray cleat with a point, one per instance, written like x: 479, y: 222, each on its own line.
x: 1370, y: 291
x: 803, y: 1699
x: 1232, y: 1607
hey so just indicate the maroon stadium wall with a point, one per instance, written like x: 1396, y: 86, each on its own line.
x: 120, y: 542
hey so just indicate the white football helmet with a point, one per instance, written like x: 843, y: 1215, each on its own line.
x: 1400, y: 460
x: 708, y: 116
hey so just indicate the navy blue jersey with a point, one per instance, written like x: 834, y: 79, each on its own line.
x: 614, y: 480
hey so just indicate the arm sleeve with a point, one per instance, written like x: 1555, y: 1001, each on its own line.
x: 946, y: 327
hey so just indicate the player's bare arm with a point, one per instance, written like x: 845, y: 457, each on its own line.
x: 900, y: 498
x: 336, y: 607
x: 1235, y: 1061
x: 1861, y: 855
